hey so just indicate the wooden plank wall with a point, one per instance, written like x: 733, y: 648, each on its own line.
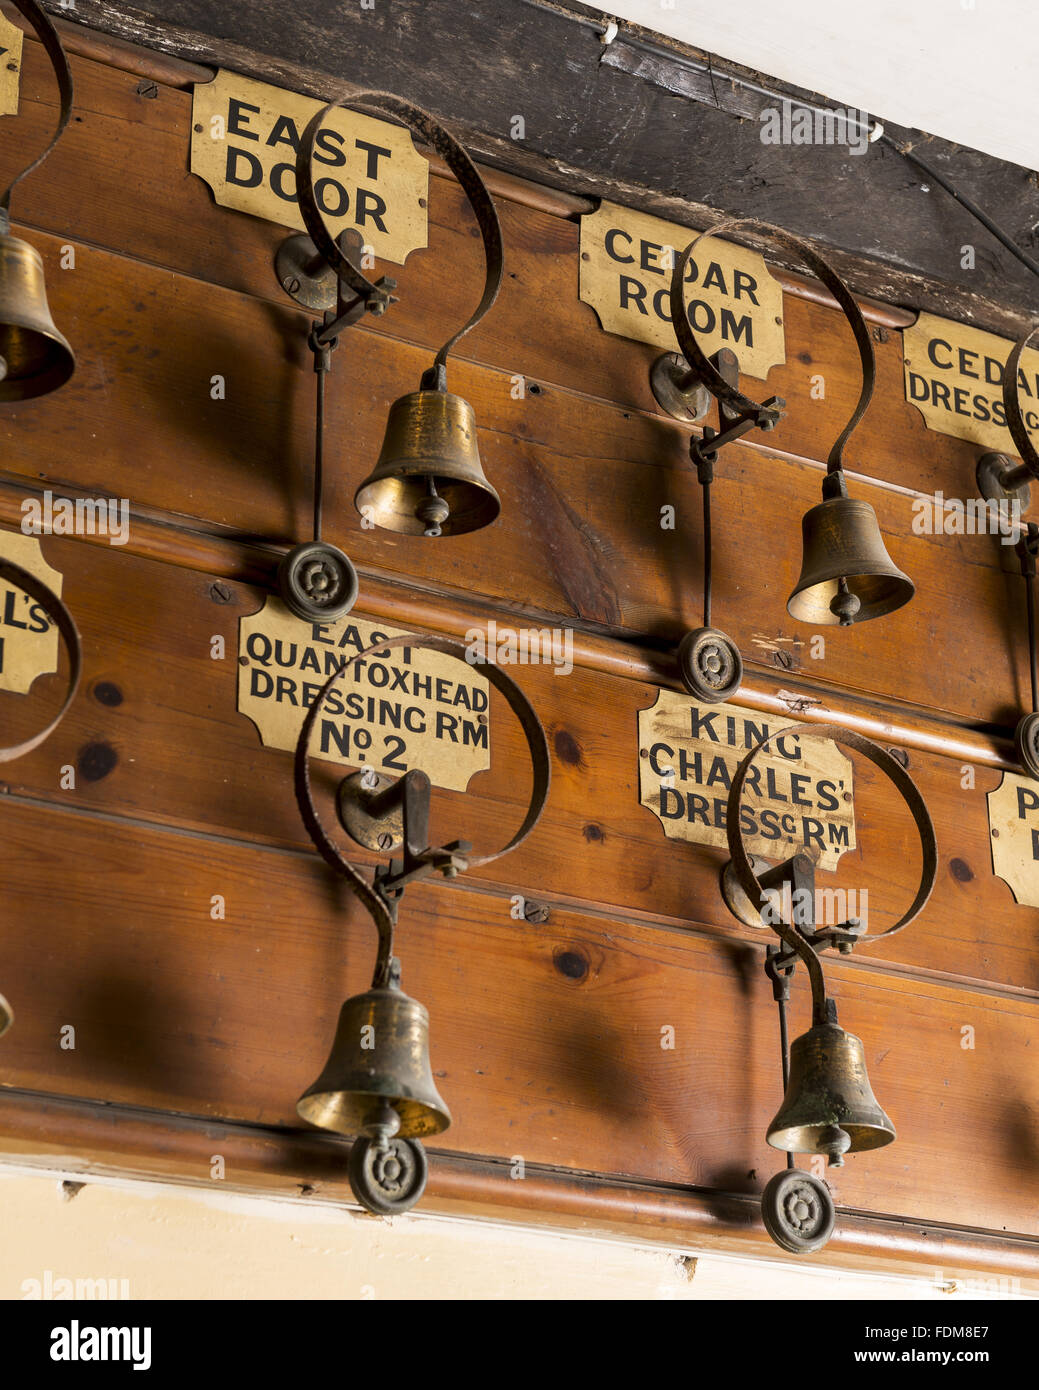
x: 546, y: 1037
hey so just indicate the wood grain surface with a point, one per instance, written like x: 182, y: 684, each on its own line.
x: 545, y: 1038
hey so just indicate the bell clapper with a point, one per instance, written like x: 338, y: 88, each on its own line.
x: 433, y: 510
x: 834, y: 1142
x: 844, y: 605
x: 383, y: 1125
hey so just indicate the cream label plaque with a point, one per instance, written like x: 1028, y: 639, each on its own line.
x: 367, y: 173
x: 28, y: 638
x: 798, y: 797
x: 10, y: 66
x: 954, y: 377
x: 1013, y: 818
x: 732, y: 300
x: 410, y: 709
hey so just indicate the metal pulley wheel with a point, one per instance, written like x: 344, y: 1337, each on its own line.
x: 317, y: 582
x: 710, y: 665
x: 387, y: 1176
x: 798, y: 1211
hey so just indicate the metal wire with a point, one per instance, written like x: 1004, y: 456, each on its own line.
x: 1030, y: 591
x: 319, y: 451
x: 785, y: 1046
x: 707, y: 554
x: 964, y: 202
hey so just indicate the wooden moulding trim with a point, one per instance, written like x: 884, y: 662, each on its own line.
x: 513, y: 188
x: 48, y: 1132
x: 389, y: 600
x: 873, y: 310
x: 178, y: 73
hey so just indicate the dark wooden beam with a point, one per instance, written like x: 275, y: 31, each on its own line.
x: 656, y: 126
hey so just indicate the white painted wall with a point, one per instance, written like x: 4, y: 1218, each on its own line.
x: 177, y: 1242
x: 963, y: 69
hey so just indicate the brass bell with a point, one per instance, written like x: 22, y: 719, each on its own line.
x: 829, y: 1107
x: 847, y: 576
x: 380, y: 1056
x: 428, y: 480
x: 34, y: 357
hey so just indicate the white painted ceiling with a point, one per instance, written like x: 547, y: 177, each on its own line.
x: 962, y: 69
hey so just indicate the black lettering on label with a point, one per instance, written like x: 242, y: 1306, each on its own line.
x: 610, y: 243
x: 812, y: 832
x: 9, y: 619
x: 253, y: 175
x: 932, y: 353
x: 237, y: 120
x: 332, y: 197
x: 715, y: 278
x: 773, y: 793
x: 447, y: 724
x: 743, y: 283
x: 284, y: 132
x: 370, y: 207
x: 736, y: 331
x: 702, y: 725
x: 328, y: 149
x: 474, y: 735
x: 375, y: 153
x: 332, y: 733
x: 632, y: 292
x: 261, y: 685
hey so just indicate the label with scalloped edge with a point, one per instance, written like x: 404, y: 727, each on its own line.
x: 799, y: 796
x: 412, y: 708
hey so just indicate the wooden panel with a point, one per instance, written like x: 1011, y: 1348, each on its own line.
x: 123, y: 141
x: 156, y: 736
x: 582, y: 484
x: 546, y: 1040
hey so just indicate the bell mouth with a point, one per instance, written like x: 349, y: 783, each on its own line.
x: 31, y: 363
x: 396, y: 503
x: 35, y: 358
x: 877, y: 594
x: 348, y: 1112
x: 808, y: 1139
